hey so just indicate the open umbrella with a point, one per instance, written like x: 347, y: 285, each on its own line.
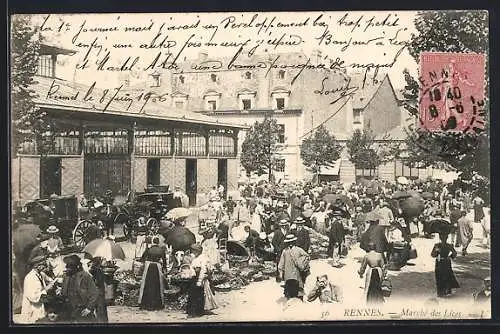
x: 440, y: 225
x: 402, y: 180
x: 178, y: 214
x: 179, y: 238
x: 333, y: 198
x: 104, y: 248
x: 24, y: 238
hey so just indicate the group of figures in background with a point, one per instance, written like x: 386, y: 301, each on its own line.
x: 285, y: 225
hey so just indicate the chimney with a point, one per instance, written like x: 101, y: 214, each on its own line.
x: 316, y: 56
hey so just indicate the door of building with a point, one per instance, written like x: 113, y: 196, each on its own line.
x: 153, y: 176
x: 191, y: 184
x: 103, y: 172
x: 222, y: 174
x: 50, y: 176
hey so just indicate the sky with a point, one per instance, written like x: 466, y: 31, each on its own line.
x: 338, y: 28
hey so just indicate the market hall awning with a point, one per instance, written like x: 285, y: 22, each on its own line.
x: 333, y: 169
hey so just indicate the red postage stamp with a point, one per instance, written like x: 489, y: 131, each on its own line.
x: 452, y: 91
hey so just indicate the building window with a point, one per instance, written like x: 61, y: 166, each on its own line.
x: 247, y: 104
x: 212, y: 105
x: 280, y: 165
x: 248, y: 75
x: 213, y: 77
x: 281, y: 133
x: 356, y: 115
x: 156, y: 80
x: 401, y: 168
x: 45, y: 66
x: 179, y: 104
x: 181, y: 79
x: 281, y: 74
x: 280, y: 103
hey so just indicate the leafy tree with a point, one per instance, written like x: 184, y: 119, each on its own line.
x: 319, y: 149
x: 28, y: 121
x: 361, y: 150
x: 448, y: 31
x: 260, y: 147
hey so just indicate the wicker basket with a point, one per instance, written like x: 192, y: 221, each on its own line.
x: 386, y: 288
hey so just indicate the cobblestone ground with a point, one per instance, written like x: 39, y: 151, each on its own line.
x: 413, y: 287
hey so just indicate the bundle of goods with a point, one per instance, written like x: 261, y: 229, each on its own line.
x: 319, y: 245
x: 127, y: 291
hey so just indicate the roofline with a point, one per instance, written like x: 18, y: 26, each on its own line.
x: 136, y: 115
x: 378, y: 88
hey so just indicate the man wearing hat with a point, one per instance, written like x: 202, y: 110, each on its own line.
x: 294, y: 263
x: 35, y: 288
x: 278, y: 240
x: 375, y: 234
x: 484, y: 296
x: 54, y: 241
x: 303, y: 238
x: 336, y: 235
x: 79, y: 290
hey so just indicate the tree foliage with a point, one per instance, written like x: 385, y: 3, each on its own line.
x: 319, y: 149
x: 260, y: 147
x: 447, y: 31
x: 29, y: 123
x: 362, y: 150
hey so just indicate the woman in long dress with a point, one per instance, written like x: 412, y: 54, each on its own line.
x: 445, y: 278
x: 97, y: 274
x: 374, y: 275
x: 152, y: 286
x: 200, y: 296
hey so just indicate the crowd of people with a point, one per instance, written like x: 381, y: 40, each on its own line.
x: 274, y: 223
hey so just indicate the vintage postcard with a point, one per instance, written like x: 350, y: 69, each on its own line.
x: 250, y: 166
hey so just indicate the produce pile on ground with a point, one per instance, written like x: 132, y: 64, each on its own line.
x: 319, y: 245
x: 241, y: 272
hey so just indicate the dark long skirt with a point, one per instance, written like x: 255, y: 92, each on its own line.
x: 196, y: 300
x: 375, y: 295
x: 151, y: 296
x: 101, y: 310
x: 445, y: 278
x: 478, y: 213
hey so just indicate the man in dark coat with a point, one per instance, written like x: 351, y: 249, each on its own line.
x: 375, y: 234
x: 79, y: 290
x: 336, y: 236
x: 303, y: 238
x: 278, y: 241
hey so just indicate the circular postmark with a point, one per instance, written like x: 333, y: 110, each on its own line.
x: 451, y: 104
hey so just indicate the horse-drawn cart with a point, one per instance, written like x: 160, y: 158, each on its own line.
x: 61, y: 211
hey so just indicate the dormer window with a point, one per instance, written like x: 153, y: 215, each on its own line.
x: 46, y: 66
x: 248, y: 75
x: 212, y: 105
x: 213, y: 77
x: 280, y: 98
x: 246, y: 99
x: 281, y: 74
x: 212, y: 100
x: 179, y: 100
x: 155, y: 79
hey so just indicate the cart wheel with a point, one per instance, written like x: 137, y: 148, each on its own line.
x: 80, y: 233
x: 152, y: 223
